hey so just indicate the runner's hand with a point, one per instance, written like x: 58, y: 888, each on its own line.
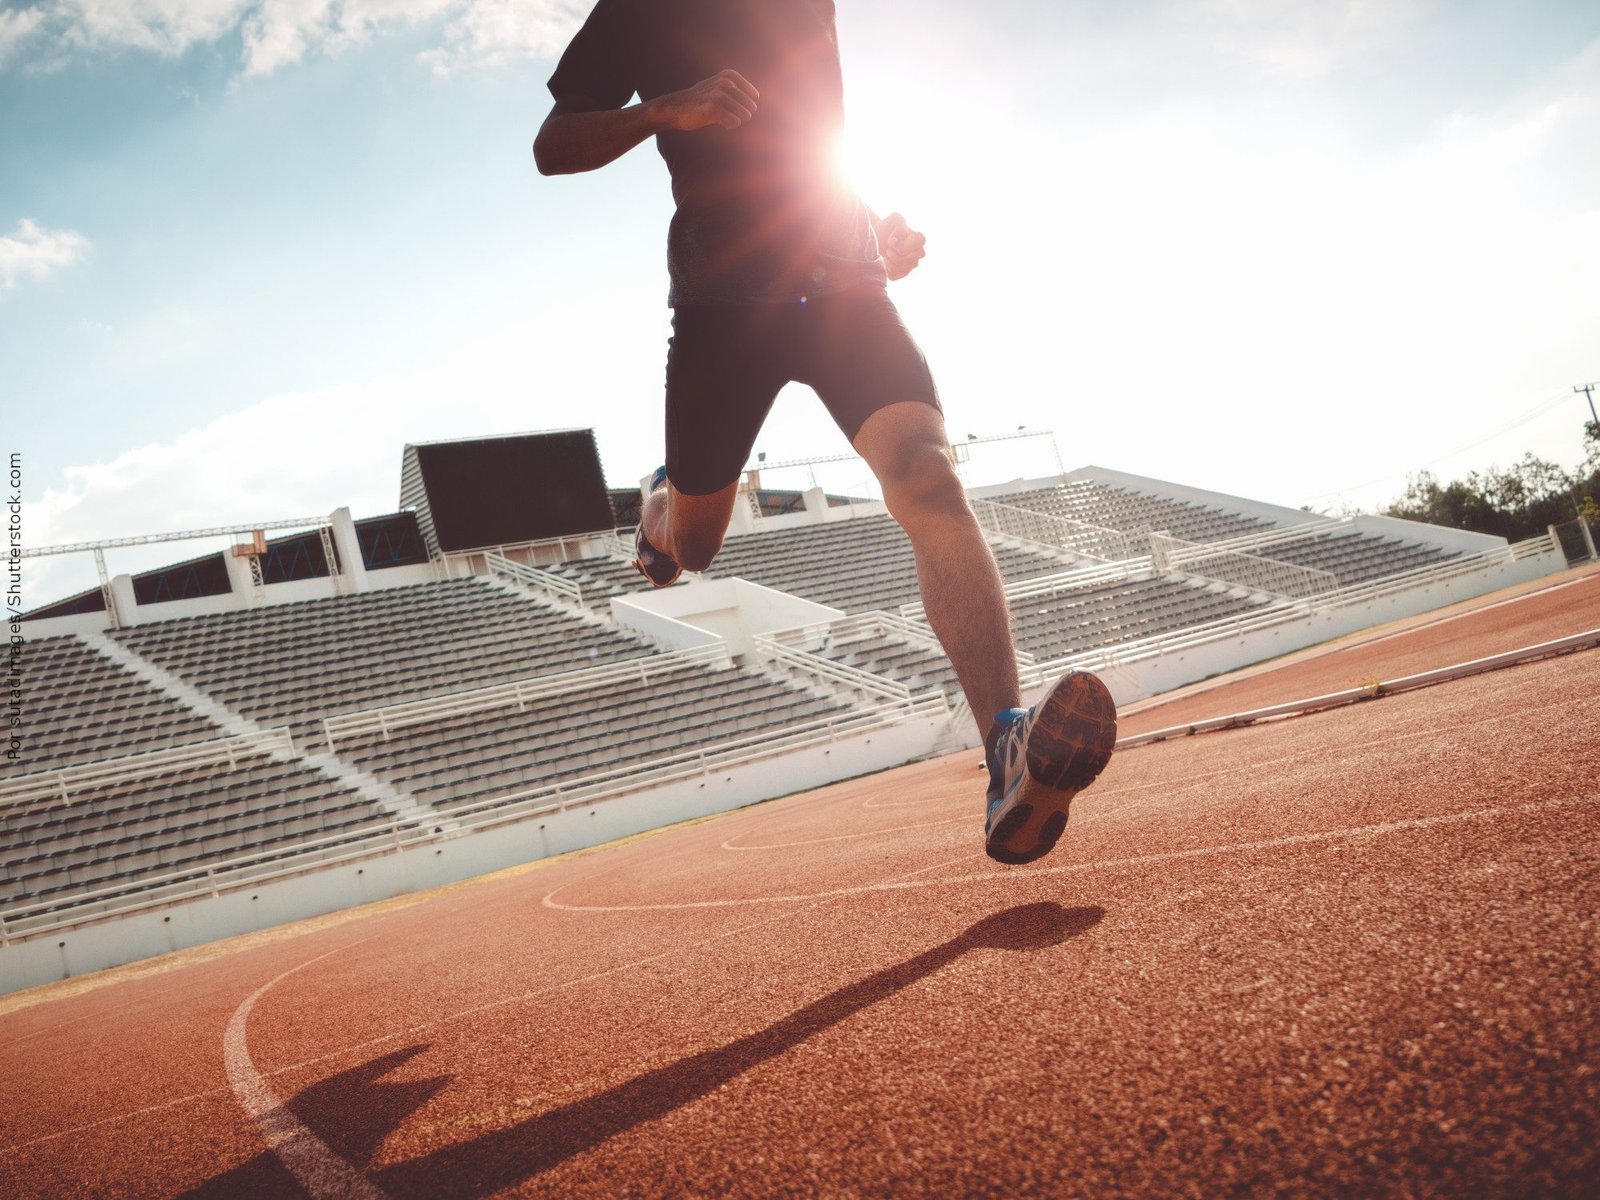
x: 727, y: 99
x: 900, y: 245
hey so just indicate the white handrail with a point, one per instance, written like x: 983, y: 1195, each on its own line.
x: 1236, y: 568
x: 1275, y: 614
x: 59, y: 784
x: 1324, y: 527
x: 1052, y: 585
x: 828, y: 669
x: 385, y: 719
x: 534, y: 577
x: 1053, y: 533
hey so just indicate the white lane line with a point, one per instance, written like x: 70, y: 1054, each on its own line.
x: 1094, y: 800
x: 316, y: 1166
x: 126, y: 1116
x: 973, y: 817
x: 1079, y: 868
x: 592, y: 977
x: 874, y: 802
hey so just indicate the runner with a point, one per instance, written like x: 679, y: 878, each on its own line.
x: 779, y: 274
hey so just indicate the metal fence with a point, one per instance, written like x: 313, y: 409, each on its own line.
x: 58, y: 786
x: 1256, y: 572
x: 517, y: 694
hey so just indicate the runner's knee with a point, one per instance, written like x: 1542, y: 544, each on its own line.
x: 920, y: 481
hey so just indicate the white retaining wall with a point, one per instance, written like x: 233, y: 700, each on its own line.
x: 732, y: 610
x: 45, y: 957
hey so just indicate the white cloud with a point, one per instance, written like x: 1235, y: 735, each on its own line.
x: 492, y: 32
x: 1292, y: 40
x: 32, y: 252
x: 277, y: 33
x: 163, y: 26
x: 17, y: 27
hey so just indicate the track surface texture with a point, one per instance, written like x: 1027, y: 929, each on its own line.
x: 1351, y: 953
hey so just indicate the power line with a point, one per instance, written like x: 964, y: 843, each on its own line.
x: 1539, y: 409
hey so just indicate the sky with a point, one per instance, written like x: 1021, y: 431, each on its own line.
x: 1288, y: 250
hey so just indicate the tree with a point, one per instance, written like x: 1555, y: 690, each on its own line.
x: 1516, y: 503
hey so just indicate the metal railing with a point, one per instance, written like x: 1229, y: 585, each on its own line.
x: 620, y: 543
x: 386, y: 719
x: 445, y: 823
x: 1047, y: 585
x: 551, y: 584
x: 1120, y: 655
x: 60, y: 784
x: 1236, y: 568
x: 1278, y: 534
x: 1057, y: 534
x: 773, y: 647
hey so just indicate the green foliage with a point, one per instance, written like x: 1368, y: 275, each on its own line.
x: 1516, y: 503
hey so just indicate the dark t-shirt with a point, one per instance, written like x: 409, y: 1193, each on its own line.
x: 762, y: 213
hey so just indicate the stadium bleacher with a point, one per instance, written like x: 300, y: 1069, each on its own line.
x: 1351, y: 557
x: 607, y: 728
x: 856, y: 565
x: 1096, y: 503
x: 296, y: 663
x: 86, y: 707
x: 115, y: 831
x: 293, y: 664
x: 1091, y: 618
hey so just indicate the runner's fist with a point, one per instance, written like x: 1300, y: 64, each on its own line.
x: 900, y: 245
x: 727, y: 99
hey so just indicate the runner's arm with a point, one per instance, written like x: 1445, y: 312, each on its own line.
x: 899, y: 244
x: 582, y: 135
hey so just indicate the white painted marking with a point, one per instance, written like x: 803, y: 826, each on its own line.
x: 592, y: 977
x: 316, y: 1166
x: 1139, y: 860
x: 975, y: 818
x: 874, y: 802
x: 138, y: 1112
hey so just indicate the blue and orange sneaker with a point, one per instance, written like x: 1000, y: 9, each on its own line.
x: 1043, y: 757
x: 655, y: 565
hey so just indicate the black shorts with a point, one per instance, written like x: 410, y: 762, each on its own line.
x: 728, y: 362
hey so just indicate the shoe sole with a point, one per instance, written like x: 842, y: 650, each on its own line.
x: 654, y: 582
x: 1073, y: 734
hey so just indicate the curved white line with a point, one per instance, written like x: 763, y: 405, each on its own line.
x: 565, y: 984
x: 138, y: 1112
x: 315, y: 1165
x: 973, y: 817
x: 1139, y: 860
x: 869, y: 801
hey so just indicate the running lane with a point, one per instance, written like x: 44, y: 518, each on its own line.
x: 1348, y: 953
x: 1494, y: 625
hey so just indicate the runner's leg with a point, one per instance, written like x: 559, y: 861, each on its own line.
x: 689, y: 528
x: 906, y: 447
x: 723, y: 374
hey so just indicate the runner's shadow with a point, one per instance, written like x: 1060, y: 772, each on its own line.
x: 352, y: 1111
x: 507, y: 1157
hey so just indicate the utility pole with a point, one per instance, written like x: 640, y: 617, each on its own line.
x: 1588, y: 390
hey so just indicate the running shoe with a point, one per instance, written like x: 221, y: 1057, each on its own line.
x: 1044, y: 756
x: 655, y: 565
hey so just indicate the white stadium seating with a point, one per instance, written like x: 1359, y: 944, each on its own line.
x: 175, y: 747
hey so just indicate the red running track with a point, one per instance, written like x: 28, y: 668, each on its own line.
x: 1350, y: 953
x: 1490, y: 625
